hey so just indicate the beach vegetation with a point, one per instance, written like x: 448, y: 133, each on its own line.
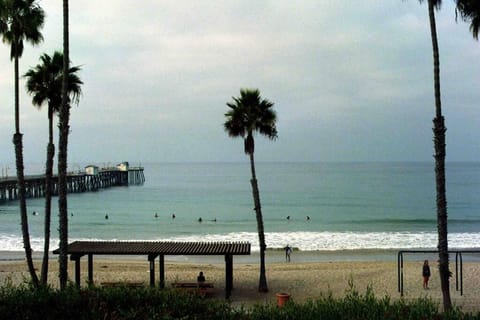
x: 355, y: 305
x: 249, y: 114
x: 28, y: 302
x: 44, y: 84
x: 21, y: 20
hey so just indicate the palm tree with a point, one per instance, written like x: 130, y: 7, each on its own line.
x: 64, y: 120
x: 248, y: 114
x: 44, y: 83
x: 469, y: 10
x: 21, y: 20
x: 439, y: 146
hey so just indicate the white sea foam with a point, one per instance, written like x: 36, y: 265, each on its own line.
x: 330, y: 241
x: 305, y: 241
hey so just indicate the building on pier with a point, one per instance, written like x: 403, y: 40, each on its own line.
x: 123, y: 166
x: 91, y: 170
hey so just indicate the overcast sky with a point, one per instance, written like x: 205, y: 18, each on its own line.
x: 351, y: 80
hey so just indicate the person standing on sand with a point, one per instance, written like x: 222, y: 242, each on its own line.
x: 288, y: 251
x: 426, y: 274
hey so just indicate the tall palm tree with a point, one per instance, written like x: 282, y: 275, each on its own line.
x: 469, y: 10
x: 64, y: 119
x: 44, y: 83
x: 439, y: 130
x: 21, y: 20
x: 249, y: 114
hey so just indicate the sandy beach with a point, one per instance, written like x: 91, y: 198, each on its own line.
x: 303, y: 280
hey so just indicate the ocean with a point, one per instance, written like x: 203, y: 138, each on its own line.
x: 310, y: 206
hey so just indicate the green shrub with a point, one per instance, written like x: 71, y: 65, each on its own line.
x: 24, y: 302
x: 355, y: 306
x: 118, y: 303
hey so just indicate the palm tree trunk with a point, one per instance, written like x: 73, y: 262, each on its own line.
x: 62, y: 158
x: 17, y: 97
x: 48, y: 197
x: 439, y: 142
x: 262, y: 283
x: 17, y: 141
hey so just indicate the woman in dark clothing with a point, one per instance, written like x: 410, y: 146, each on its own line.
x: 426, y: 274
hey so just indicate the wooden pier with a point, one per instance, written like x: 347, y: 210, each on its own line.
x: 76, y: 182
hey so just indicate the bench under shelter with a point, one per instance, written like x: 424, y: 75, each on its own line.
x: 154, y: 249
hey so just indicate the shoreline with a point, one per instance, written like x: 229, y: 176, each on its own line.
x: 275, y: 256
x: 272, y: 256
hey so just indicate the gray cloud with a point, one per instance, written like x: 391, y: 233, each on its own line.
x: 351, y: 80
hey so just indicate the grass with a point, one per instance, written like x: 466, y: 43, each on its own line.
x: 25, y: 302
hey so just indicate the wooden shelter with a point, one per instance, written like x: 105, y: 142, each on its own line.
x: 154, y: 249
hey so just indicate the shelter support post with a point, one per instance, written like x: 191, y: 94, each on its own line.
x: 77, y: 272
x: 228, y: 275
x: 161, y: 262
x: 152, y: 270
x: 461, y: 274
x: 400, y: 272
x: 456, y: 271
x: 76, y: 258
x: 90, y: 268
x: 459, y: 271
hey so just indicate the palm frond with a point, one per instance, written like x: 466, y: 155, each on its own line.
x: 469, y: 11
x: 21, y: 20
x: 249, y: 113
x: 44, y: 82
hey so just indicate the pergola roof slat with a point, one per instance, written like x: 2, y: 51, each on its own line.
x: 158, y: 247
